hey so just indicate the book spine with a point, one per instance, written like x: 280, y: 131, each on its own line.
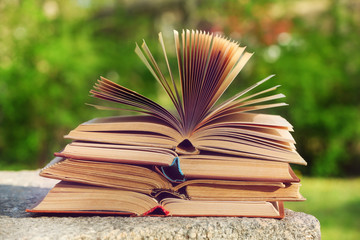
x: 155, y: 211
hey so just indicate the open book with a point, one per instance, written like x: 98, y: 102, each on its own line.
x: 205, y: 165
x: 72, y: 198
x: 155, y: 183
x: 207, y: 64
x: 206, y: 157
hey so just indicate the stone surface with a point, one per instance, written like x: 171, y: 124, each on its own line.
x: 21, y: 190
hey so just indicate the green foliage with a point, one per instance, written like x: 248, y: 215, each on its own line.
x: 335, y: 203
x: 52, y: 52
x: 314, y: 58
x: 49, y: 63
x: 322, y: 80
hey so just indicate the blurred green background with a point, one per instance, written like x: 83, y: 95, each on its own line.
x: 52, y: 52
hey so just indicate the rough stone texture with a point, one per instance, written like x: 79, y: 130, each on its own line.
x: 21, y: 190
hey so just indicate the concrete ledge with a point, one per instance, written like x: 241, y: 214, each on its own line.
x: 19, y: 190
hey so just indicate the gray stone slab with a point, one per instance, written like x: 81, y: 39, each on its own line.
x: 21, y: 190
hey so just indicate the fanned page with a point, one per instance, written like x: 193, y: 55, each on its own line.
x: 207, y: 65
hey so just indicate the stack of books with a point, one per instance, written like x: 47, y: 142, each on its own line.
x: 205, y: 158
